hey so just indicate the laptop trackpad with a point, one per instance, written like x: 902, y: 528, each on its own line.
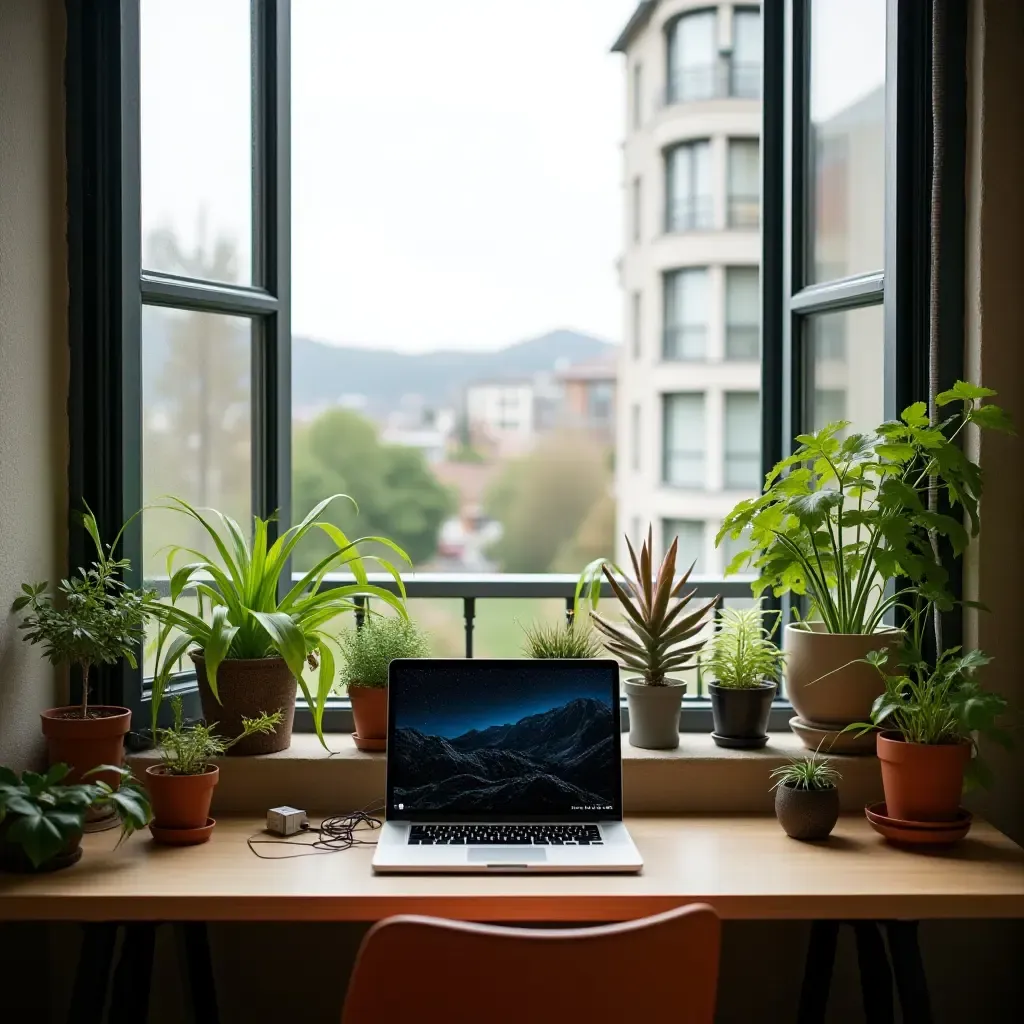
x: 504, y: 855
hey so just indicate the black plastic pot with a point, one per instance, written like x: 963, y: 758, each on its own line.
x: 741, y: 714
x: 807, y: 813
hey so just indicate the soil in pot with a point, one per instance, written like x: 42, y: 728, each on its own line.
x: 741, y: 714
x: 248, y: 687
x: 180, y: 801
x: 807, y: 814
x: 922, y: 782
x: 84, y: 743
x: 654, y: 714
x: 369, y: 716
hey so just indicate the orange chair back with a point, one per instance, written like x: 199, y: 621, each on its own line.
x: 662, y: 968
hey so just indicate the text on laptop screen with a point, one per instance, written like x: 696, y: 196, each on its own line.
x: 504, y: 739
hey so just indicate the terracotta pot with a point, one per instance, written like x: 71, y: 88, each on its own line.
x: 654, y: 714
x: 84, y: 743
x: 741, y: 714
x: 249, y: 687
x: 845, y: 695
x: 180, y: 801
x: 922, y: 782
x: 369, y: 715
x: 13, y: 858
x: 807, y: 814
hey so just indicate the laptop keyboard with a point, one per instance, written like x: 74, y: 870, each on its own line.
x: 505, y: 835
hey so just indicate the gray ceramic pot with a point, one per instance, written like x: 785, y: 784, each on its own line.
x: 807, y: 813
x: 654, y: 714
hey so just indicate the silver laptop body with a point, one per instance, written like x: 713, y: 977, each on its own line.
x: 504, y: 766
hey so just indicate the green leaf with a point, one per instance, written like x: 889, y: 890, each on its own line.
x: 56, y: 773
x: 8, y: 777
x: 217, y: 645
x: 961, y: 391
x: 992, y: 417
x: 286, y: 638
x: 915, y: 415
x: 40, y: 838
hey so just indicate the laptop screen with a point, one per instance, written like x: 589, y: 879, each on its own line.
x: 484, y: 740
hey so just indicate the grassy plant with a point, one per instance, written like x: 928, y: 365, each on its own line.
x: 741, y: 653
x: 367, y: 651
x: 569, y: 640
x: 810, y: 772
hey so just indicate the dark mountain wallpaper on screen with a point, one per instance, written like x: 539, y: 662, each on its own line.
x: 550, y: 762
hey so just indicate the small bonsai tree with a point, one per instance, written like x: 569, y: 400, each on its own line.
x: 572, y: 640
x: 741, y: 653
x: 94, y: 618
x: 368, y: 650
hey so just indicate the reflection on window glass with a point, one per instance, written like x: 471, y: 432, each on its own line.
x: 847, y: 102
x: 686, y: 314
x: 691, y: 542
x: 196, y: 136
x: 683, y: 440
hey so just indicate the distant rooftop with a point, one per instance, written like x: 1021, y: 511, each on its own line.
x: 637, y: 21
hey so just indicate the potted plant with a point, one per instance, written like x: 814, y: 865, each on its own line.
x: 94, y: 618
x: 249, y: 643
x: 366, y: 653
x: 745, y: 664
x: 807, y: 797
x: 181, y: 785
x: 838, y: 520
x: 565, y: 639
x: 656, y: 640
x: 41, y: 818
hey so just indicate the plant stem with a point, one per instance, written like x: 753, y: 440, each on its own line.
x: 85, y: 689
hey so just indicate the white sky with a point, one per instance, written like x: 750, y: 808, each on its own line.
x: 847, y: 53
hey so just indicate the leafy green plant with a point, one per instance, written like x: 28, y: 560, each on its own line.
x: 42, y: 817
x: 367, y: 651
x: 840, y: 517
x: 188, y: 749
x: 655, y: 639
x: 741, y: 653
x: 810, y: 772
x: 239, y: 585
x: 570, y: 640
x: 93, y: 619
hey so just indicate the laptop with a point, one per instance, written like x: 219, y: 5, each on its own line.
x: 504, y: 766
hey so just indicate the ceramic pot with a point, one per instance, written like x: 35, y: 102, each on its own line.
x: 922, y: 782
x: 14, y: 859
x: 84, y: 743
x: 249, y: 687
x: 807, y: 813
x: 369, y: 716
x: 654, y: 714
x: 180, y: 801
x: 741, y: 714
x: 825, y: 682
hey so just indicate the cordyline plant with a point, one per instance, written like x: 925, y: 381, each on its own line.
x: 655, y: 640
x: 94, y: 618
x: 840, y: 517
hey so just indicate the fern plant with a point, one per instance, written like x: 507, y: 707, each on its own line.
x: 368, y: 650
x: 741, y: 653
x: 573, y: 640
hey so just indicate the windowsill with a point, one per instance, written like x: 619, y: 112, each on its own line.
x: 699, y: 777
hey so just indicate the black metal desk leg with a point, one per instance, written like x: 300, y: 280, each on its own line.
x: 197, y: 972
x: 908, y: 967
x: 875, y: 976
x: 89, y: 996
x: 129, y: 995
x: 821, y: 957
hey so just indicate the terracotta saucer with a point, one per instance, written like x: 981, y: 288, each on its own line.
x: 878, y: 812
x: 183, y: 836
x: 369, y: 744
x: 832, y: 739
x: 904, y: 834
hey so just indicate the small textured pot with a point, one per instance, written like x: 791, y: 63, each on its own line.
x: 369, y: 715
x: 741, y: 714
x: 249, y: 687
x: 180, y: 801
x: 84, y: 743
x: 846, y: 695
x: 922, y: 782
x: 14, y: 859
x: 654, y: 714
x: 807, y: 813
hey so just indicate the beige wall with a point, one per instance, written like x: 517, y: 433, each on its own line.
x: 33, y: 348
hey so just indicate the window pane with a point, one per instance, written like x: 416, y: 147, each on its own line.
x: 196, y: 137
x: 742, y: 441
x: 744, y: 183
x: 692, y: 57
x: 196, y: 423
x: 683, y: 440
x: 634, y: 439
x: 638, y: 94
x: 686, y: 314
x: 691, y: 542
x: 847, y: 365
x: 636, y: 324
x: 747, y: 46
x: 638, y: 209
x: 847, y: 144
x: 742, y: 313
x: 688, y: 190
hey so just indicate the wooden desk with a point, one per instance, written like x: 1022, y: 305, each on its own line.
x: 743, y: 866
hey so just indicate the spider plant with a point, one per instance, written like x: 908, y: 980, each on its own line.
x: 741, y: 654
x: 241, y: 613
x: 568, y: 640
x: 810, y: 772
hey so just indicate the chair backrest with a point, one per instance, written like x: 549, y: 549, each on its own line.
x: 422, y: 968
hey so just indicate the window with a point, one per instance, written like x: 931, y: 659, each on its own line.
x: 742, y: 441
x: 744, y: 183
x: 691, y: 542
x: 686, y: 314
x: 747, y: 47
x: 638, y: 94
x: 692, y: 57
x: 742, y: 313
x: 636, y: 323
x: 638, y: 210
x: 689, y: 196
x: 634, y: 438
x: 683, y: 440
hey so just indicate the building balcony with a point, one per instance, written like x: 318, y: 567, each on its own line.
x: 723, y: 79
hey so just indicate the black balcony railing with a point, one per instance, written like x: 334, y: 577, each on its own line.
x: 683, y: 343
x: 744, y: 211
x: 719, y: 80
x: 690, y: 213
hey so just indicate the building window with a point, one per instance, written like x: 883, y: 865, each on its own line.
x: 747, y: 49
x: 742, y: 441
x: 686, y: 315
x: 692, y: 57
x: 636, y: 323
x: 638, y: 94
x: 744, y: 190
x: 634, y: 438
x: 690, y: 533
x: 689, y: 195
x: 742, y: 313
x: 637, y: 209
x: 683, y: 440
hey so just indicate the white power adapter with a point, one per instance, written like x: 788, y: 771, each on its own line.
x: 286, y: 821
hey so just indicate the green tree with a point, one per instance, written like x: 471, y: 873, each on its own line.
x: 594, y: 539
x: 398, y: 496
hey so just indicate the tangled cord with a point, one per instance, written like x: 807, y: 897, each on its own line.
x: 333, y: 835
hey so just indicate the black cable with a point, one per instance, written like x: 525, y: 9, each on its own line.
x: 334, y: 835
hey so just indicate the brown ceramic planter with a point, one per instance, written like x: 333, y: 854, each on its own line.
x: 825, y: 682
x: 249, y: 687
x: 807, y: 814
x: 84, y: 743
x: 369, y: 716
x: 180, y: 801
x: 922, y: 782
